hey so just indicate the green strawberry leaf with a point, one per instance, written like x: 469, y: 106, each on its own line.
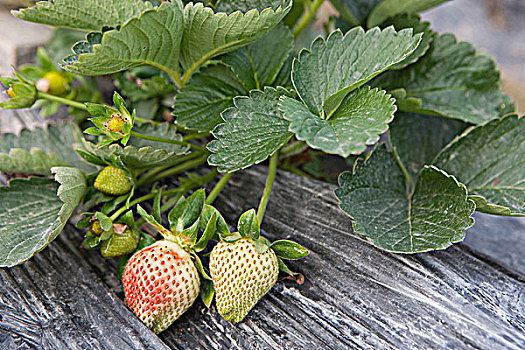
x: 489, y: 160
x: 37, y: 151
x: 83, y: 15
x: 412, y: 21
x: 127, y: 219
x: 221, y: 226
x: 207, y: 234
x: 229, y: 6
x: 419, y: 138
x: 258, y: 64
x: 262, y: 245
x: 289, y: 250
x: 157, y: 213
x: 187, y: 211
x: 200, y: 267
x: 151, y: 39
x: 253, y: 130
x: 433, y: 216
x: 211, y: 90
x: 208, y: 34
x: 248, y: 225
x: 151, y: 220
x: 451, y: 80
x: 200, y: 103
x: 145, y: 241
x: 362, y: 116
x: 285, y: 269
x: 207, y: 292
x: 31, y: 214
x: 232, y: 238
x: 334, y: 67
x: 105, y: 222
x: 391, y: 8
x: 120, y: 104
x: 35, y: 161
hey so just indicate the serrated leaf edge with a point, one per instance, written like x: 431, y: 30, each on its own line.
x: 213, y: 142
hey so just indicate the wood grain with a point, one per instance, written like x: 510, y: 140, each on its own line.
x: 56, y: 301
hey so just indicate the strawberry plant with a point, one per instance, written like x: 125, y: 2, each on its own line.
x: 204, y: 90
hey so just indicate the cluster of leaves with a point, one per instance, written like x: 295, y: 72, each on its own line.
x: 232, y: 71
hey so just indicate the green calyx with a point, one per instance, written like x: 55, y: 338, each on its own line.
x: 21, y: 91
x: 249, y: 228
x: 189, y: 216
x: 186, y: 218
x: 113, y: 181
x: 112, y: 123
x: 114, y: 239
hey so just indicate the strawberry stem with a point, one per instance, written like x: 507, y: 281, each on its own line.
x: 218, y: 188
x: 180, y: 191
x: 310, y: 9
x: 135, y: 202
x: 76, y: 104
x: 173, y: 171
x: 164, y: 140
x: 293, y: 147
x: 45, y: 96
x: 146, y: 178
x: 272, y: 169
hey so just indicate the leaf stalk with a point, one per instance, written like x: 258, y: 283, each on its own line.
x: 272, y: 170
x: 218, y: 188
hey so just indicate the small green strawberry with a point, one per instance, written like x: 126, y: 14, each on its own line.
x: 55, y: 83
x: 160, y: 282
x: 113, y: 181
x: 245, y: 266
x: 123, y: 242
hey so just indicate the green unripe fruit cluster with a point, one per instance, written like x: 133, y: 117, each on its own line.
x: 113, y: 181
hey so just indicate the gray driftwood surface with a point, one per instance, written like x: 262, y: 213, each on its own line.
x: 354, y: 295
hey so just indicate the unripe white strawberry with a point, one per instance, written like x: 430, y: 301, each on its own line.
x: 241, y: 276
x: 160, y: 283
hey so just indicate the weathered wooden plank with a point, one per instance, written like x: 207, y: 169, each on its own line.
x: 499, y: 239
x: 19, y: 40
x: 358, y: 296
x: 354, y: 296
x: 56, y: 301
x: 12, y: 121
